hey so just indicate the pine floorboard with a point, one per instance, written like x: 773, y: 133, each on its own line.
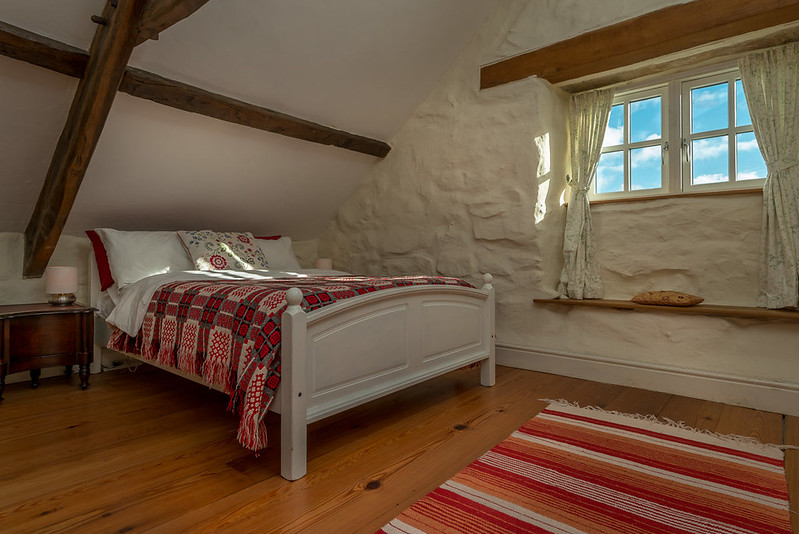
x: 147, y: 451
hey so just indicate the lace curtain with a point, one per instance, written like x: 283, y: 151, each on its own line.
x: 771, y: 83
x: 588, y: 118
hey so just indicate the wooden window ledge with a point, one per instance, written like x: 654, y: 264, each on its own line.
x: 699, y: 309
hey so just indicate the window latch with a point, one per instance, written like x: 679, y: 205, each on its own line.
x: 663, y: 153
x: 686, y: 150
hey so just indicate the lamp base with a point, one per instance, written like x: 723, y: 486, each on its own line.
x: 62, y: 299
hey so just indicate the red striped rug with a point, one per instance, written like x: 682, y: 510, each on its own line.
x: 574, y: 469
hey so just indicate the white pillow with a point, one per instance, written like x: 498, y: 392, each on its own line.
x: 279, y: 253
x: 136, y: 255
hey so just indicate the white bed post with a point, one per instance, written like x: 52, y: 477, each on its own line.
x: 487, y: 370
x: 293, y: 393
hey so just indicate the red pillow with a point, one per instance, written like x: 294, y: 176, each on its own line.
x: 269, y: 237
x: 101, y: 258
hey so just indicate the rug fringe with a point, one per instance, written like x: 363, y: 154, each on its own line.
x: 735, y: 438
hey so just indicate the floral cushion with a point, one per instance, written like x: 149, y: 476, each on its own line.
x: 214, y: 251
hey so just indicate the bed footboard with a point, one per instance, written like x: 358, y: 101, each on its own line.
x: 361, y: 349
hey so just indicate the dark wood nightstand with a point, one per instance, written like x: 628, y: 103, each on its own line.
x: 43, y: 335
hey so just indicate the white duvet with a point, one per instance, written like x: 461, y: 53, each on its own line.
x: 132, y: 301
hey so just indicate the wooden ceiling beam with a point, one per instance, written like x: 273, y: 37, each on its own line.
x: 108, y: 56
x: 50, y: 54
x: 666, y: 31
x: 161, y: 14
x: 182, y: 96
x: 42, y: 51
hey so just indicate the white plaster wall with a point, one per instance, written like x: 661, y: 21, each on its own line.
x: 14, y: 289
x: 474, y: 185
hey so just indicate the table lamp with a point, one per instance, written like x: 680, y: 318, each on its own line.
x: 61, y: 283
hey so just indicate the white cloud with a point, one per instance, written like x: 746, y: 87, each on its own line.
x: 635, y: 187
x: 752, y: 175
x: 613, y: 136
x: 709, y: 96
x: 751, y: 144
x: 709, y: 148
x: 644, y: 156
x: 710, y: 179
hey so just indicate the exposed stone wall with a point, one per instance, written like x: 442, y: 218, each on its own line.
x: 471, y: 186
x: 704, y: 246
x: 474, y: 184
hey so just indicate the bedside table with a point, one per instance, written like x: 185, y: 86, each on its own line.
x: 42, y: 335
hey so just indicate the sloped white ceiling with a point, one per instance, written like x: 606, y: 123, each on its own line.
x: 357, y: 65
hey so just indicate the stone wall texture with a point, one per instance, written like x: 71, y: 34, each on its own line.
x: 475, y: 183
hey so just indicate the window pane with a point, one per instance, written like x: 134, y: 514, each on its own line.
x: 610, y: 173
x: 742, y: 117
x: 645, y: 120
x: 645, y: 168
x: 751, y: 165
x: 614, y: 133
x: 710, y: 159
x: 709, y: 108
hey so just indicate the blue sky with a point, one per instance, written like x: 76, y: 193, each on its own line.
x: 710, y: 153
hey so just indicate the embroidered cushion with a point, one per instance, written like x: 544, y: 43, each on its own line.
x: 214, y: 251
x: 666, y: 298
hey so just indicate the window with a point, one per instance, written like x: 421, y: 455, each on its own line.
x: 684, y: 135
x: 718, y: 139
x: 633, y: 149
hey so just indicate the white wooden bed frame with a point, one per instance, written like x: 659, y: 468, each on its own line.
x: 362, y: 348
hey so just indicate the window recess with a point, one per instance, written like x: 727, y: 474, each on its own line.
x: 690, y: 134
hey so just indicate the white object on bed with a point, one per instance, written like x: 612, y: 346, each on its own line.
x: 279, y: 253
x: 362, y: 348
x: 136, y: 255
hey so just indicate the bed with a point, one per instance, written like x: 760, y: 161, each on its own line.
x: 418, y: 329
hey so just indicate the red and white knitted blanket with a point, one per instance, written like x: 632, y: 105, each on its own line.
x: 228, y: 333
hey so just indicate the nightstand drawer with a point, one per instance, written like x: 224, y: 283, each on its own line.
x: 43, y: 335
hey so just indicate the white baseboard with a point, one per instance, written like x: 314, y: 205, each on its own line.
x: 755, y: 393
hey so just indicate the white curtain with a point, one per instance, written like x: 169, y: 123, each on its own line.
x: 771, y: 83
x: 588, y: 118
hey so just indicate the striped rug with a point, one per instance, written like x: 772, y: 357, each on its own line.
x: 574, y: 469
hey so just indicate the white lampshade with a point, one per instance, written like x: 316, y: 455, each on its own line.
x: 60, y: 280
x: 324, y: 263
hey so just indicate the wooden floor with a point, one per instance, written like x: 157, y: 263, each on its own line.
x: 146, y: 451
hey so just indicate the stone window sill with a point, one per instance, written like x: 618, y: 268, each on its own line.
x: 700, y: 309
x: 627, y: 200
